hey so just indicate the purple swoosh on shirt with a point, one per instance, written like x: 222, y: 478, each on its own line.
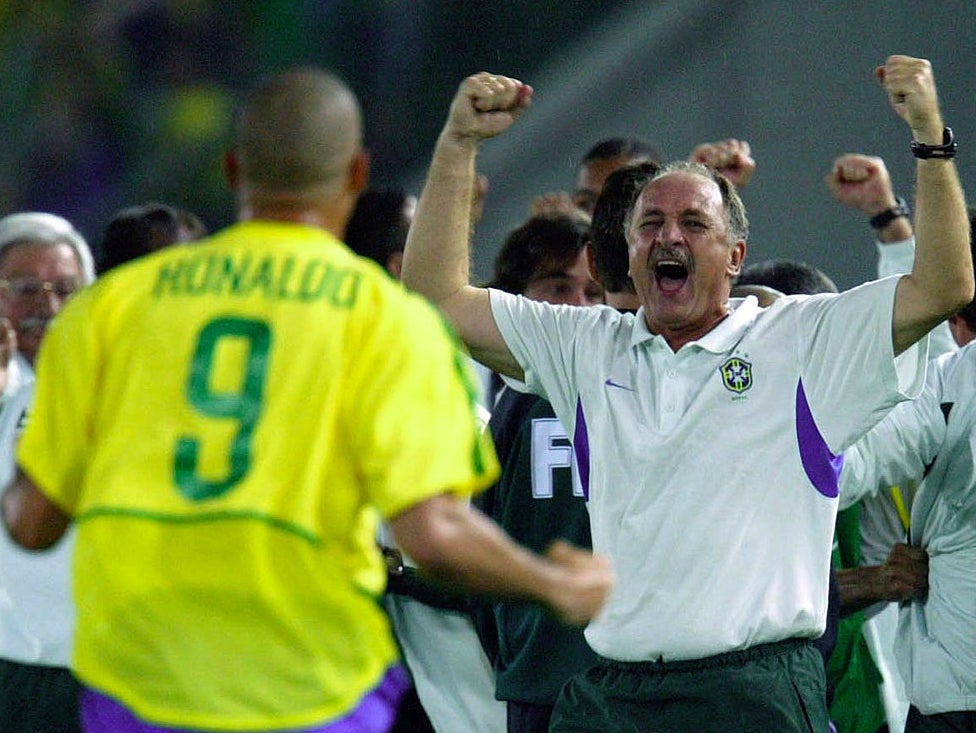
x: 821, y: 466
x: 581, y: 445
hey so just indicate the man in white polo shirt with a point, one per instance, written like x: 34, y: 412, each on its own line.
x: 708, y: 432
x: 930, y: 443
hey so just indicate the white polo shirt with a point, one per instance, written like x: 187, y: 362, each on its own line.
x: 932, y: 440
x: 711, y: 473
x: 36, y: 610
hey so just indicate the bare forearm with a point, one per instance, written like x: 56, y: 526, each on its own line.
x: 943, y: 261
x: 459, y: 546
x: 466, y: 549
x: 860, y: 588
x: 436, y: 259
x: 903, y: 577
x: 941, y: 280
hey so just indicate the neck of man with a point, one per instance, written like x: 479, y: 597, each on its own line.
x: 678, y: 336
x: 324, y: 212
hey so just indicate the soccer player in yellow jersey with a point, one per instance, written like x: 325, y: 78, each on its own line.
x: 227, y: 421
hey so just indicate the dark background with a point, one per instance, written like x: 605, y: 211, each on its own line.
x: 114, y: 102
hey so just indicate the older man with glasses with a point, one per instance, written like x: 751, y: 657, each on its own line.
x: 43, y: 262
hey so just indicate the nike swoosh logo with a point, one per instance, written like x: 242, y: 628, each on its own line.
x: 611, y: 383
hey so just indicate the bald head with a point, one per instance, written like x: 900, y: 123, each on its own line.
x: 298, y: 133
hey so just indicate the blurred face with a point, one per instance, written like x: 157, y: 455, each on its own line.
x: 35, y: 282
x: 681, y: 260
x: 590, y: 179
x: 565, y: 285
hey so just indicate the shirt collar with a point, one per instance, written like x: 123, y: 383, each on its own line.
x: 720, y: 339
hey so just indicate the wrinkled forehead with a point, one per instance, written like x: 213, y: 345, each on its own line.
x: 681, y: 191
x: 30, y: 257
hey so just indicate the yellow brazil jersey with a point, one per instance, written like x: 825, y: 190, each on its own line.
x: 227, y: 421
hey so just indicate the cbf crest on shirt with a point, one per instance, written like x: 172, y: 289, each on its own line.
x: 736, y: 375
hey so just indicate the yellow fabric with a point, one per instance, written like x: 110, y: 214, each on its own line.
x: 899, y: 501
x: 227, y: 421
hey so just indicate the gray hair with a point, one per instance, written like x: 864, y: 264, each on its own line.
x: 735, y: 210
x: 36, y: 226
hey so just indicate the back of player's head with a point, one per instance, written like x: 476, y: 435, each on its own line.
x: 790, y: 277
x: 297, y: 132
x: 542, y: 242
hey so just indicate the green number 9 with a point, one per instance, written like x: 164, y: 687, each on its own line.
x: 244, y: 405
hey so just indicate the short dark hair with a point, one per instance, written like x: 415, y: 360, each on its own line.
x: 790, y: 277
x: 555, y: 240
x: 297, y: 131
x: 138, y: 230
x: 626, y: 147
x: 606, y: 236
x: 378, y: 227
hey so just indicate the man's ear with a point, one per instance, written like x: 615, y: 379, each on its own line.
x: 359, y: 172
x: 737, y: 254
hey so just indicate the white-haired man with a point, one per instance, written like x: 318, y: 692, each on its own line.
x: 44, y: 260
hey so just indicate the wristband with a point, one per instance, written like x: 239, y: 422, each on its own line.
x: 944, y: 151
x: 884, y: 218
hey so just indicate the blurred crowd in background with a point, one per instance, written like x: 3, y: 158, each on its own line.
x: 107, y: 102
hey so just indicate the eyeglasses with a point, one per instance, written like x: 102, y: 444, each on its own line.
x: 30, y: 288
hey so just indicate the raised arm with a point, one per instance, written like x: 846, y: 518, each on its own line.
x: 436, y: 258
x: 941, y: 280
x: 862, y: 182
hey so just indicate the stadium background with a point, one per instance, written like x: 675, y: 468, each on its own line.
x: 112, y: 102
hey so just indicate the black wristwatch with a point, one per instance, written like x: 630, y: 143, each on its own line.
x: 944, y: 151
x: 884, y: 218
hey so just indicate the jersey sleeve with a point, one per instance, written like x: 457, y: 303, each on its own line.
x: 56, y: 442
x: 850, y: 374
x: 546, y: 341
x: 413, y: 411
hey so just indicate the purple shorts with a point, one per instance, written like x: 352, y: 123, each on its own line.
x: 374, y: 714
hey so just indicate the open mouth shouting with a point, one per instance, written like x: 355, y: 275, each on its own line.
x: 671, y: 271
